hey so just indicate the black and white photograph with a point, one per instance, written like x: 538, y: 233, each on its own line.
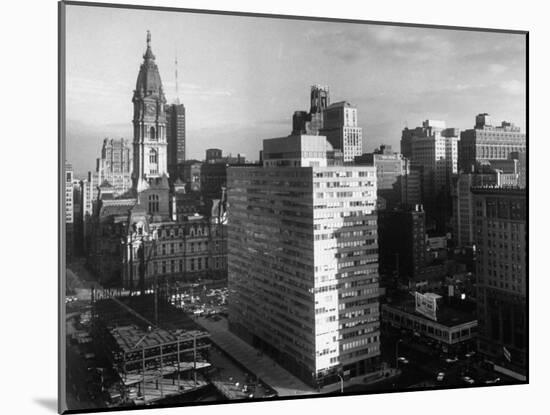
x: 262, y: 207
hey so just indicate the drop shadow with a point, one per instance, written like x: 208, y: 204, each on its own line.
x: 48, y: 403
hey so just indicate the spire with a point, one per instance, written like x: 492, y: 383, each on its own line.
x: 148, y: 81
x: 149, y: 53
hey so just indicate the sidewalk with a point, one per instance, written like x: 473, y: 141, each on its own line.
x: 228, y: 375
x: 365, y: 380
x: 283, y: 382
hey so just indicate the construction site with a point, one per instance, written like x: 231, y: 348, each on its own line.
x: 148, y: 361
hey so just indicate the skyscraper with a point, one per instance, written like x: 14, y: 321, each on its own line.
x: 303, y: 260
x: 69, y: 208
x: 500, y: 236
x: 402, y: 241
x: 434, y: 147
x: 464, y: 211
x: 501, y: 173
x: 88, y: 186
x: 311, y: 122
x: 213, y: 155
x: 412, y: 184
x: 340, y: 128
x: 488, y: 142
x: 390, y: 174
x: 319, y: 101
x: 521, y: 157
x: 69, y: 211
x: 175, y: 135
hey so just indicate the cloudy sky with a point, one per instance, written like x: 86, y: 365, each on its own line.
x: 241, y: 78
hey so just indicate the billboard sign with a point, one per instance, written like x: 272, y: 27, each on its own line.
x: 426, y: 304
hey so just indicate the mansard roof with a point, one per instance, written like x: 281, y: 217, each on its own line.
x: 148, y: 81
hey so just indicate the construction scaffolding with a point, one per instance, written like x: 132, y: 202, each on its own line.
x: 151, y: 362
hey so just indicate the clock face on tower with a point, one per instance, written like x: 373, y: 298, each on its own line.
x: 150, y: 109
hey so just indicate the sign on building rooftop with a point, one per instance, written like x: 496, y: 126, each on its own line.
x: 426, y: 304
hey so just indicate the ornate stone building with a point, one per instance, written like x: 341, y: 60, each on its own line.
x: 154, y: 233
x: 150, y: 145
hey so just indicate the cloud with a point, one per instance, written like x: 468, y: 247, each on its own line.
x: 351, y: 44
x: 79, y: 87
x: 513, y: 87
x: 496, y: 68
x: 188, y: 89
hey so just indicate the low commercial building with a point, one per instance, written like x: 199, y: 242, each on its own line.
x: 450, y: 325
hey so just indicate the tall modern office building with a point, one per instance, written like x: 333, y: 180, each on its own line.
x: 114, y: 166
x: 303, y: 260
x: 69, y: 205
x: 340, y: 128
x: 500, y: 237
x: 175, y: 135
x: 69, y: 211
x: 488, y: 142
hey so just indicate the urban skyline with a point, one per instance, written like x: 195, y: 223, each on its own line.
x: 387, y: 72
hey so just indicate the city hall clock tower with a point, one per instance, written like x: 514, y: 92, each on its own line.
x: 150, y: 145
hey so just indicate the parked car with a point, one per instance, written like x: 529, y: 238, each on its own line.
x: 451, y: 360
x: 470, y: 354
x: 491, y: 381
x: 440, y: 376
x: 468, y: 380
x: 403, y: 360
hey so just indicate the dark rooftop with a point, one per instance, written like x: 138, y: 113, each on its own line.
x: 447, y: 314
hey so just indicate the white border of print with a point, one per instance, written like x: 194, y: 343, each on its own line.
x: 29, y: 208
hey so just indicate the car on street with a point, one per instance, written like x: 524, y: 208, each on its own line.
x: 403, y: 360
x: 451, y: 360
x: 468, y: 380
x: 470, y: 354
x: 440, y: 376
x: 491, y: 381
